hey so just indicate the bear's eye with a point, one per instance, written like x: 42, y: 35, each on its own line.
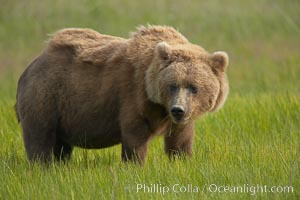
x: 193, y: 89
x: 173, y: 88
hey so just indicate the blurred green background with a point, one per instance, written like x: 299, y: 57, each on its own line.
x: 261, y: 37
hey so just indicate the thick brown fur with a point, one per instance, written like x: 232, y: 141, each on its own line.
x: 94, y: 91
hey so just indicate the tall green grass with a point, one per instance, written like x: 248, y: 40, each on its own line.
x: 248, y: 142
x: 253, y: 140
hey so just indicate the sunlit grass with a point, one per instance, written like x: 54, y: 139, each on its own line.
x: 248, y: 142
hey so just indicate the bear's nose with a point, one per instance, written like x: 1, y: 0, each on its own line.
x: 177, y: 111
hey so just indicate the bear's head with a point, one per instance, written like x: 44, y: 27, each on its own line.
x: 187, y: 80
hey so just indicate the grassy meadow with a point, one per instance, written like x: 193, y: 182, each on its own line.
x: 252, y: 142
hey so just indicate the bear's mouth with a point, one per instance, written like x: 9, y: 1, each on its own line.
x: 184, y: 121
x: 179, y: 120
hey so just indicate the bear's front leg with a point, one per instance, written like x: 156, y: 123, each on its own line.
x: 135, y: 139
x: 179, y: 142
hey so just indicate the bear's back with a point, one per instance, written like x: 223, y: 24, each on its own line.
x: 84, y: 44
x: 79, y: 38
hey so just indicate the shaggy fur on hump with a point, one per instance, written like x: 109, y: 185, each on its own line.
x: 162, y: 33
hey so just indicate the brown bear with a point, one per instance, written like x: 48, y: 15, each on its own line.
x: 94, y: 91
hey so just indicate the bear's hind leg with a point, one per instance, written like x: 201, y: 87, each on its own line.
x: 39, y: 141
x: 62, y: 151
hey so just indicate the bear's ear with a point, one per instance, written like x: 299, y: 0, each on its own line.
x: 164, y: 51
x: 219, y: 61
